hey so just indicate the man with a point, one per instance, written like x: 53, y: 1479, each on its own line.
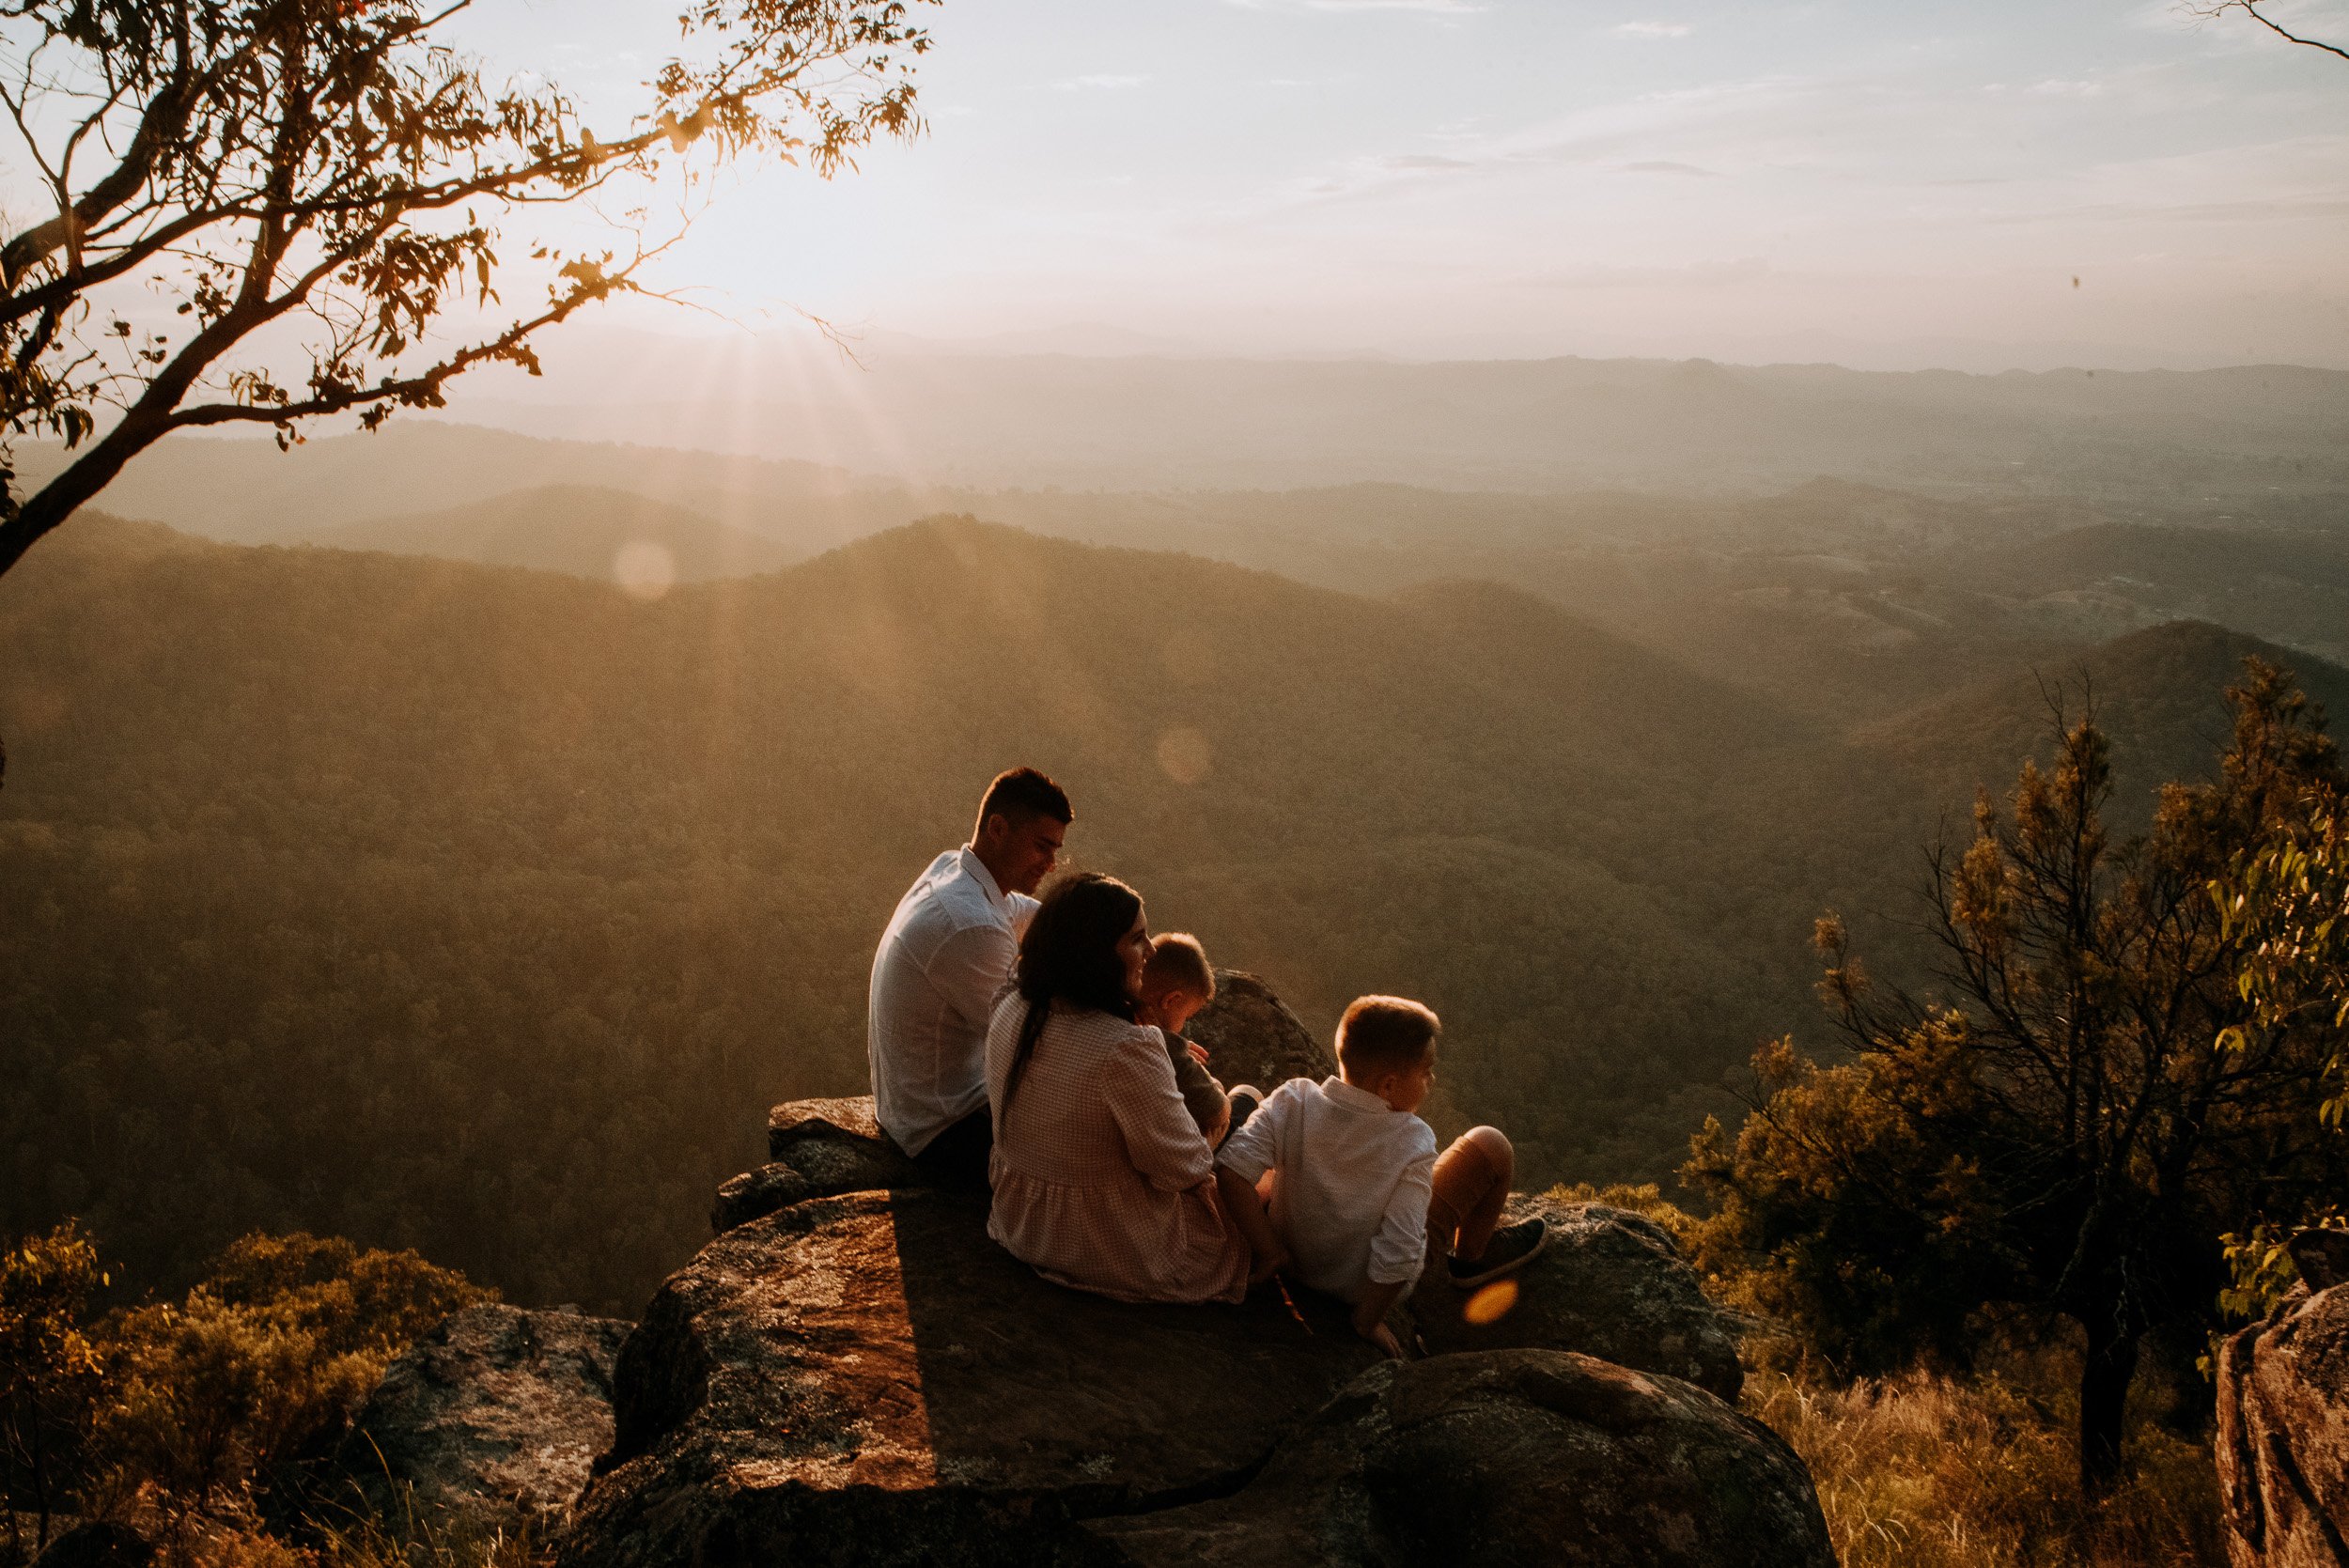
x: 945, y: 959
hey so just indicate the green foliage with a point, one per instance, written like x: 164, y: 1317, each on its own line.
x: 2288, y: 907
x: 265, y: 1359
x: 1844, y: 1208
x: 51, y: 1371
x: 2064, y: 1133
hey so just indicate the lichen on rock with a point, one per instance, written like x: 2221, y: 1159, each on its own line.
x: 492, y: 1420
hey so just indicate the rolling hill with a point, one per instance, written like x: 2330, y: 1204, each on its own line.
x: 580, y: 529
x: 483, y: 910
x: 433, y: 859
x: 2159, y: 692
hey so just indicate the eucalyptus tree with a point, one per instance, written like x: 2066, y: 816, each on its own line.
x: 260, y: 213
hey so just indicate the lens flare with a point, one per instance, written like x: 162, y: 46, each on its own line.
x: 644, y: 569
x: 1491, y: 1304
x: 1184, y: 754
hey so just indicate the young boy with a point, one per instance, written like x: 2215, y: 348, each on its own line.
x: 1176, y: 983
x: 1358, y: 1188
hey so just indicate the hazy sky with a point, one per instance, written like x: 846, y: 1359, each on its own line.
x: 1524, y: 177
x: 1881, y: 184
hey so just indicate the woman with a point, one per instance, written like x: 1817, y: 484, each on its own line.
x: 1102, y: 1180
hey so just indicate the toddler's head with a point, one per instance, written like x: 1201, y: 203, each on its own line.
x: 1387, y: 1044
x: 1177, y: 981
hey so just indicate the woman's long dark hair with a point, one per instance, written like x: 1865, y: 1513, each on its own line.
x: 1070, y: 955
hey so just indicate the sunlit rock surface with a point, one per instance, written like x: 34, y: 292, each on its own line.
x: 1506, y: 1458
x: 815, y: 1149
x: 2282, y: 1448
x: 1610, y: 1284
x: 491, y: 1419
x: 869, y: 1379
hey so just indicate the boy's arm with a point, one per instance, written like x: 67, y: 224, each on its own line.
x: 1370, y: 1316
x: 1247, y: 1211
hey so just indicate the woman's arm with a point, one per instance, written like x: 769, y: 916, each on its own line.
x: 1165, y: 1143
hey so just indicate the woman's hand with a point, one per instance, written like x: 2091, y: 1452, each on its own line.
x: 1264, y: 1266
x: 1198, y: 1052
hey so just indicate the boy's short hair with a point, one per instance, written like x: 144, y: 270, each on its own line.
x: 1385, y: 1035
x: 1019, y: 793
x: 1179, y: 963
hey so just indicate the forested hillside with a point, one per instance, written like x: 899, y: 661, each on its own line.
x: 485, y: 910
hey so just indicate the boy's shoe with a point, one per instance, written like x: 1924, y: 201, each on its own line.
x: 1511, y: 1249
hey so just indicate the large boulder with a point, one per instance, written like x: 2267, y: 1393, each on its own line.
x: 1252, y: 1036
x: 2283, y: 1428
x: 1515, y: 1459
x: 869, y: 1379
x: 492, y: 1420
x: 1610, y: 1284
x: 815, y: 1149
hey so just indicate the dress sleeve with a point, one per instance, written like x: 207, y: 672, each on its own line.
x: 1254, y: 1146
x: 1165, y: 1143
x: 1401, y: 1245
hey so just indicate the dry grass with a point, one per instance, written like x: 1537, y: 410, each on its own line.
x: 1925, y: 1471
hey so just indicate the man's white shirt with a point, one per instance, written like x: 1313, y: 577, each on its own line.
x: 1356, y: 1176
x: 945, y: 959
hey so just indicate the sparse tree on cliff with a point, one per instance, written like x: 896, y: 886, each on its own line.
x: 262, y: 211
x: 2066, y: 1129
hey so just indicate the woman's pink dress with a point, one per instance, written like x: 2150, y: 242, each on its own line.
x: 1101, y: 1179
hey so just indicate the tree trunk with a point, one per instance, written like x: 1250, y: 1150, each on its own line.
x: 2105, y: 1373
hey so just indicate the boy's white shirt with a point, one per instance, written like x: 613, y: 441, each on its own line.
x: 1350, y: 1199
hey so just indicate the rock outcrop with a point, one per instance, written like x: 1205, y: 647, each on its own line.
x: 1506, y: 1458
x: 1252, y: 1036
x: 492, y: 1420
x: 815, y: 1149
x: 857, y: 1374
x: 1610, y: 1284
x: 868, y: 1379
x: 2282, y: 1449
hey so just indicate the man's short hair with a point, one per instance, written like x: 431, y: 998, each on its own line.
x: 1020, y: 793
x: 1385, y: 1035
x: 1179, y: 963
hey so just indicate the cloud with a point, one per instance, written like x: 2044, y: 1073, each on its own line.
x: 1098, y: 83
x: 1651, y: 30
x: 1423, y: 162
x: 1665, y: 165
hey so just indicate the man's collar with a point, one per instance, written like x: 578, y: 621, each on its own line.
x: 977, y: 870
